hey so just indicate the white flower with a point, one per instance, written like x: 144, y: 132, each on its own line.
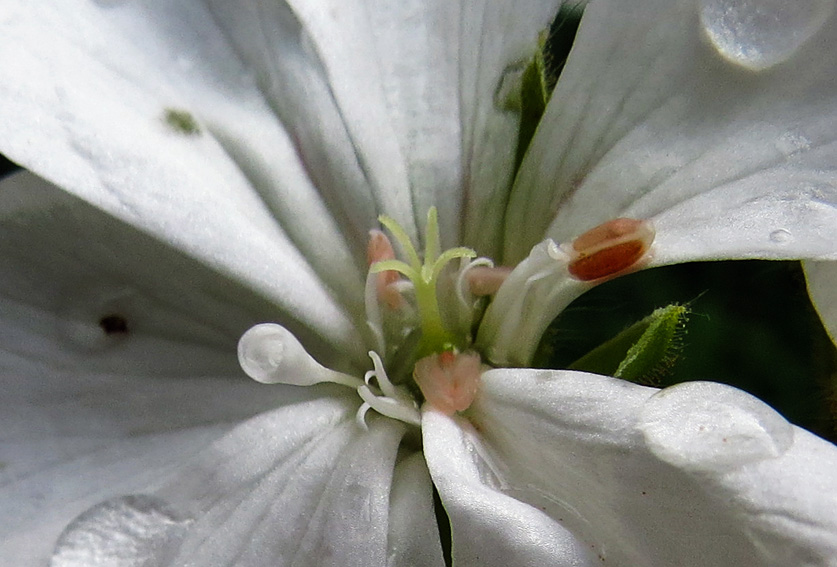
x: 220, y: 164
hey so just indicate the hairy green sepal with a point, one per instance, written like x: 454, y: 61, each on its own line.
x: 534, y: 94
x: 643, y: 352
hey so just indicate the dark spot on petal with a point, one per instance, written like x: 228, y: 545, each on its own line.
x: 114, y: 324
x: 181, y: 121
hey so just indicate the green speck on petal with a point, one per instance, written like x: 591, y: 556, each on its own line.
x: 643, y: 352
x: 181, y: 121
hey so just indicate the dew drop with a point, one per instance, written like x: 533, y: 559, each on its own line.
x: 780, y: 236
x: 791, y: 143
x: 758, y: 34
x: 704, y: 426
x: 127, y: 531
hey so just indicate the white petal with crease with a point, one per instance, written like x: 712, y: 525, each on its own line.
x: 413, y: 531
x: 302, y: 485
x: 489, y: 527
x: 596, y: 452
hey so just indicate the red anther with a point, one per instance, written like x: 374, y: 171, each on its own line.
x: 449, y: 381
x: 379, y: 249
x: 610, y: 249
x: 483, y: 280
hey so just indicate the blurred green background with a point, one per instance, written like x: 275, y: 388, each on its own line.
x: 751, y: 325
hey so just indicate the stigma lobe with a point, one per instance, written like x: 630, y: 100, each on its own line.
x: 610, y: 249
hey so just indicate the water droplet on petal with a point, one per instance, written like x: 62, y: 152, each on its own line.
x: 129, y: 531
x: 709, y: 427
x: 758, y: 34
x: 780, y: 236
x: 791, y: 143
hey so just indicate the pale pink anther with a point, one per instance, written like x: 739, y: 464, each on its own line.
x: 379, y: 249
x: 449, y: 381
x: 485, y: 280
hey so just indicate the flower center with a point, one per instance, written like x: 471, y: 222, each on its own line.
x: 424, y: 312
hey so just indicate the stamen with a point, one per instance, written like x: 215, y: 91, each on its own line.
x: 380, y: 249
x: 610, y: 249
x: 395, y: 403
x: 271, y: 354
x: 389, y: 407
x: 484, y: 280
x: 380, y: 376
x: 374, y: 319
x: 449, y: 380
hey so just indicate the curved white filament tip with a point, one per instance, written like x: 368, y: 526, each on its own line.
x: 271, y: 354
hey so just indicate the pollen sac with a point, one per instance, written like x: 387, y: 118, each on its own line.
x: 379, y: 249
x: 449, y: 380
x: 610, y: 249
x: 484, y: 280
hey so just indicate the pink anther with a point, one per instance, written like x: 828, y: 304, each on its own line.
x: 484, y: 280
x: 379, y: 249
x: 449, y: 381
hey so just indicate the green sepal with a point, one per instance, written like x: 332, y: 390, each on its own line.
x: 643, y: 352
x: 534, y: 94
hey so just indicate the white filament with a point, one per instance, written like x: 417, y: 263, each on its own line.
x: 394, y: 402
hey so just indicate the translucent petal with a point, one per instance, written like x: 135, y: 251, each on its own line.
x: 699, y: 474
x: 648, y: 121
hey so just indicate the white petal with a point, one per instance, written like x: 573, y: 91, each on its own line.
x: 86, y: 108
x: 822, y: 287
x: 391, y: 70
x: 86, y: 413
x: 497, y: 41
x: 303, y: 485
x: 413, y: 531
x: 699, y: 474
x: 649, y: 121
x: 488, y: 526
